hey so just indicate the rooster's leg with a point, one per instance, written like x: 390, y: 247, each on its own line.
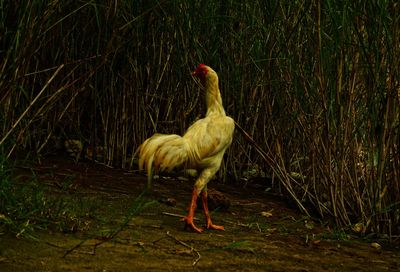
x: 192, y: 208
x: 209, y: 225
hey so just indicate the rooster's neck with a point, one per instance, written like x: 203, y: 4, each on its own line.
x: 213, y: 96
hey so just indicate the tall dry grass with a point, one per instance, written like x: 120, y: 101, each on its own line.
x: 313, y: 84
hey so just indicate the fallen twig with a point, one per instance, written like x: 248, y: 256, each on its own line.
x: 186, y: 245
x: 73, y: 248
x: 236, y: 223
x: 54, y: 245
x: 176, y: 215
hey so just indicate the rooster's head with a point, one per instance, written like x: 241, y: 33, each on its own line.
x: 201, y: 72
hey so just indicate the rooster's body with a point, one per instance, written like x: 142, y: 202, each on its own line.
x: 202, y: 147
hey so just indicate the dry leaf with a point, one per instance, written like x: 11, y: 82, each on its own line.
x: 267, y: 214
x: 357, y: 228
x: 376, y: 245
x: 309, y: 225
x: 316, y: 242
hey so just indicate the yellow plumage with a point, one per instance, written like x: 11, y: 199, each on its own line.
x: 202, y: 146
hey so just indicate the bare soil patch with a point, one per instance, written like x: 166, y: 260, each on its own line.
x: 280, y: 239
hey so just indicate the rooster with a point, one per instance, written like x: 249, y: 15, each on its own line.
x: 202, y: 147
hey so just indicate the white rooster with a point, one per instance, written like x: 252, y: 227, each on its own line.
x: 202, y: 147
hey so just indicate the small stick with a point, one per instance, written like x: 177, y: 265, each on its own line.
x: 73, y: 248
x: 176, y: 215
x: 188, y: 246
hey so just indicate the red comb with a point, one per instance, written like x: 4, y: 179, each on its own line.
x: 201, y: 69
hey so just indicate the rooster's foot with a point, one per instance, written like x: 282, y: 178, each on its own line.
x: 215, y: 227
x: 189, y: 223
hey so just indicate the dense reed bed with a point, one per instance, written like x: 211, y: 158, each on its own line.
x: 314, y: 84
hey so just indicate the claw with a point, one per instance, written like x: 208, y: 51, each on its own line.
x: 189, y: 218
x: 214, y: 227
x: 209, y: 225
x: 189, y: 223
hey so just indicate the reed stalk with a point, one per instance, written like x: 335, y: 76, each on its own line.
x: 314, y: 84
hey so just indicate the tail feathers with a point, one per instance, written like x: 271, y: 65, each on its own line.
x: 163, y: 152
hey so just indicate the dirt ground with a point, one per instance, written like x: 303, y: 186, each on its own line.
x: 262, y: 233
